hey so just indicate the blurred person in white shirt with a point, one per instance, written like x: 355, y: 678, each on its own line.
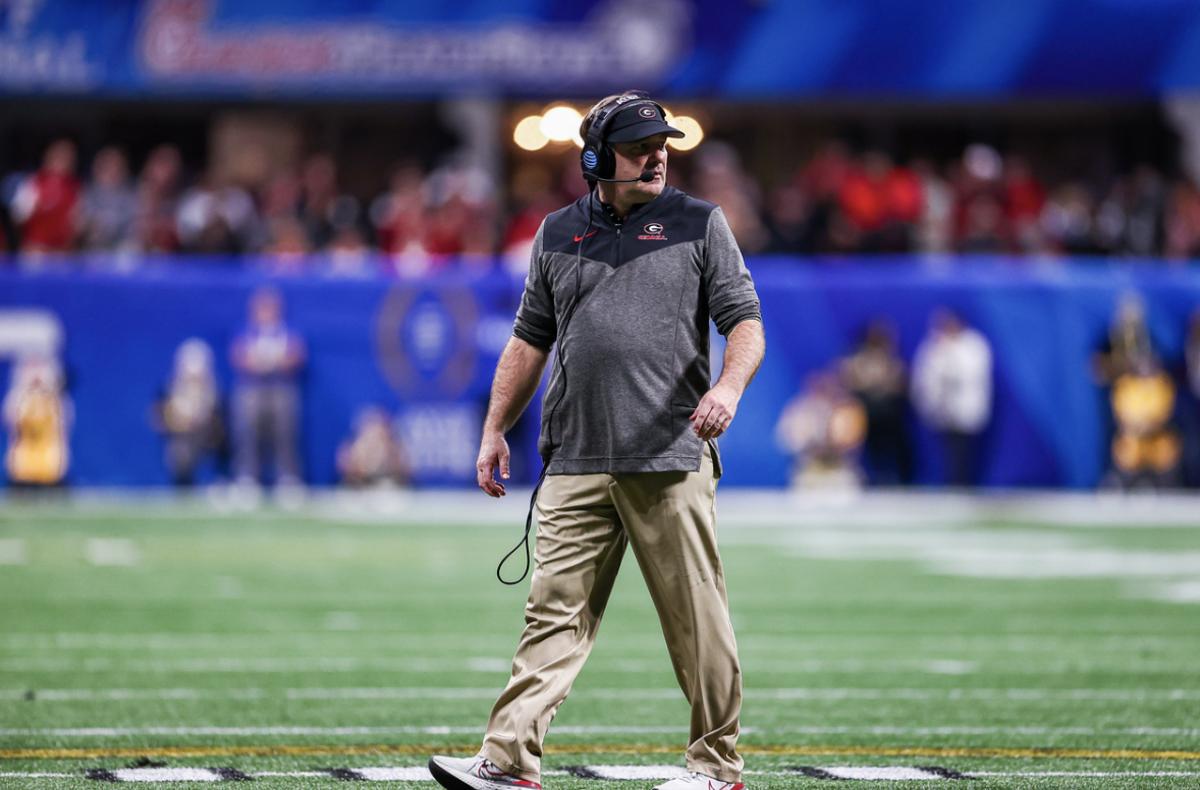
x: 952, y: 391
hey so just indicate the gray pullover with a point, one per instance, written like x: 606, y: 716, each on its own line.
x: 635, y: 356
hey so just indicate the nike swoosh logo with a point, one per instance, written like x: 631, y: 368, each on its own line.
x: 585, y: 236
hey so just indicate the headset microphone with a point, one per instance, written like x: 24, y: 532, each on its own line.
x: 647, y: 177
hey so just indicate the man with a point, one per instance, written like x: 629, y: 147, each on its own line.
x: 268, y: 358
x: 625, y: 280
x: 952, y: 391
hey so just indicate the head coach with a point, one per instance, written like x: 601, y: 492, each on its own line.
x: 625, y: 280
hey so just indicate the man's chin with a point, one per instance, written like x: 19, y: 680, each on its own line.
x: 650, y: 189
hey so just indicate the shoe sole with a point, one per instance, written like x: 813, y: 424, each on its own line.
x: 447, y: 779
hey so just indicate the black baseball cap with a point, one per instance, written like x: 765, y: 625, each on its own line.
x: 639, y: 122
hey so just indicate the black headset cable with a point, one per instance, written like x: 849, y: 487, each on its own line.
x: 562, y: 372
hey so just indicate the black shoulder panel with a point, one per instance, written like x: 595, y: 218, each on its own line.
x: 674, y: 218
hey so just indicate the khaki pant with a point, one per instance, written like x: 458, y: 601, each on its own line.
x: 584, y: 524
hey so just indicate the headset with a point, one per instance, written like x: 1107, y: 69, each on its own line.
x: 597, y: 159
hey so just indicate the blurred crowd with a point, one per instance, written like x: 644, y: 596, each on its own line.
x: 248, y: 435
x: 835, y: 201
x: 852, y: 423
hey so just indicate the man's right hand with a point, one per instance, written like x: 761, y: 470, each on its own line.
x: 493, y: 455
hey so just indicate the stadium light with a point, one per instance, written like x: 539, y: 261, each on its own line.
x: 691, y: 129
x: 561, y: 123
x: 528, y: 133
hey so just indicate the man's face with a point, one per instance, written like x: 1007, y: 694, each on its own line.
x: 648, y: 155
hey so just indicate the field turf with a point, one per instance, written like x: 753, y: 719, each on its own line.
x: 296, y: 647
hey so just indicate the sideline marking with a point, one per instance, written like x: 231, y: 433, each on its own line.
x: 806, y: 693
x: 425, y: 749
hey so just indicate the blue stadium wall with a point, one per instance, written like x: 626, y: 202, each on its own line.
x: 425, y: 350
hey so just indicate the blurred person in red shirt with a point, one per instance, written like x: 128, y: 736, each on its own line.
x: 1024, y: 198
x: 533, y: 195
x: 157, y: 199
x: 980, y: 222
x: 46, y: 203
x: 398, y: 214
x: 882, y: 203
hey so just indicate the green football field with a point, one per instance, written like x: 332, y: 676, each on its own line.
x: 941, y: 646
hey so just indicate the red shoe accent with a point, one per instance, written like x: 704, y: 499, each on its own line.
x: 489, y: 770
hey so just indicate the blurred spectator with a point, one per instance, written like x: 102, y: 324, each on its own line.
x: 1191, y: 353
x: 1183, y: 222
x: 983, y: 229
x: 1024, y: 199
x: 189, y: 413
x: 460, y: 213
x: 979, y: 200
x: 46, y: 203
x: 398, y: 214
x: 952, y: 391
x: 37, y: 414
x: 348, y: 254
x: 1129, y: 221
x: 287, y: 245
x: 1068, y: 220
x: 789, y: 220
x: 820, y: 179
x: 268, y: 358
x: 322, y: 209
x: 534, y: 196
x: 157, y: 200
x: 1190, y: 412
x: 109, y: 204
x: 935, y: 229
x: 373, y: 457
x: 1146, y: 449
x: 719, y: 178
x: 1128, y: 345
x: 881, y: 203
x: 215, y: 218
x: 875, y: 374
x: 823, y: 428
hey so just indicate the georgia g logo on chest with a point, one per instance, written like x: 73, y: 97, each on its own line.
x: 652, y: 231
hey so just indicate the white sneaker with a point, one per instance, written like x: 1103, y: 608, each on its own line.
x: 474, y: 773
x: 695, y: 781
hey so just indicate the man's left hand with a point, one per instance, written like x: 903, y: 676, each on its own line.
x: 715, y: 412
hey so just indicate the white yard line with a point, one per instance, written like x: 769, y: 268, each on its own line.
x: 735, y: 506
x: 13, y: 552
x: 831, y: 694
x: 120, y: 552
